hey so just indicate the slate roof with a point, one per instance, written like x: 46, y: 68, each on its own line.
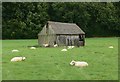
x: 65, y: 28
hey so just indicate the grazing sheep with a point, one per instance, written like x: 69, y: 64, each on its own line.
x: 55, y: 45
x: 110, y: 46
x: 79, y: 63
x: 64, y: 50
x: 46, y: 45
x: 33, y: 48
x: 71, y: 47
x: 15, y: 50
x: 16, y: 59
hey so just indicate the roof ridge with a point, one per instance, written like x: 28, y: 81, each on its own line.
x: 60, y: 22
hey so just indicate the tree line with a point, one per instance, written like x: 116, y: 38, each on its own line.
x: 24, y: 20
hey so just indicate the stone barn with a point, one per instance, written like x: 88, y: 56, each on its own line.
x: 63, y: 34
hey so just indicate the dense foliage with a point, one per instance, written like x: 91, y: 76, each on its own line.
x: 26, y: 19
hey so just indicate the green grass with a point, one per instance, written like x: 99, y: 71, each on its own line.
x: 0, y: 60
x: 52, y: 64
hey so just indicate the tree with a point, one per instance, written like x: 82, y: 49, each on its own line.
x: 26, y: 19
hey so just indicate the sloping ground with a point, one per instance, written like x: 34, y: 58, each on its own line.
x: 52, y: 64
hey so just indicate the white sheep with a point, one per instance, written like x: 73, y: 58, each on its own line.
x: 45, y: 45
x: 79, y: 63
x: 15, y: 50
x: 110, y: 46
x: 55, y: 45
x: 64, y: 50
x: 33, y: 48
x: 16, y: 59
x: 71, y: 47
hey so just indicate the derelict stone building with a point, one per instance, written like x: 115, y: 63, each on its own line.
x: 63, y: 34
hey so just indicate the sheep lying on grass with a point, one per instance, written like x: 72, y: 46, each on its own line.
x: 64, y: 50
x: 16, y: 59
x: 46, y: 45
x: 15, y: 50
x: 71, y: 47
x: 110, y: 46
x: 33, y: 48
x: 55, y: 45
x: 78, y: 63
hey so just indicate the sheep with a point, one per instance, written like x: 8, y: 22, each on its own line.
x: 71, y: 47
x: 16, y: 59
x: 64, y: 49
x: 33, y: 48
x: 55, y: 45
x: 78, y: 63
x: 15, y: 50
x: 110, y: 46
x: 46, y: 45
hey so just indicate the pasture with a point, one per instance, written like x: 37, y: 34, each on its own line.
x: 52, y: 64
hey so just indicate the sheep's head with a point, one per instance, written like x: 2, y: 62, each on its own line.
x: 72, y: 62
x: 23, y: 58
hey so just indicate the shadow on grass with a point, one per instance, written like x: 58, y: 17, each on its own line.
x: 37, y: 46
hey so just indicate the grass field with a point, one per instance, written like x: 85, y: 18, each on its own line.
x: 52, y: 64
